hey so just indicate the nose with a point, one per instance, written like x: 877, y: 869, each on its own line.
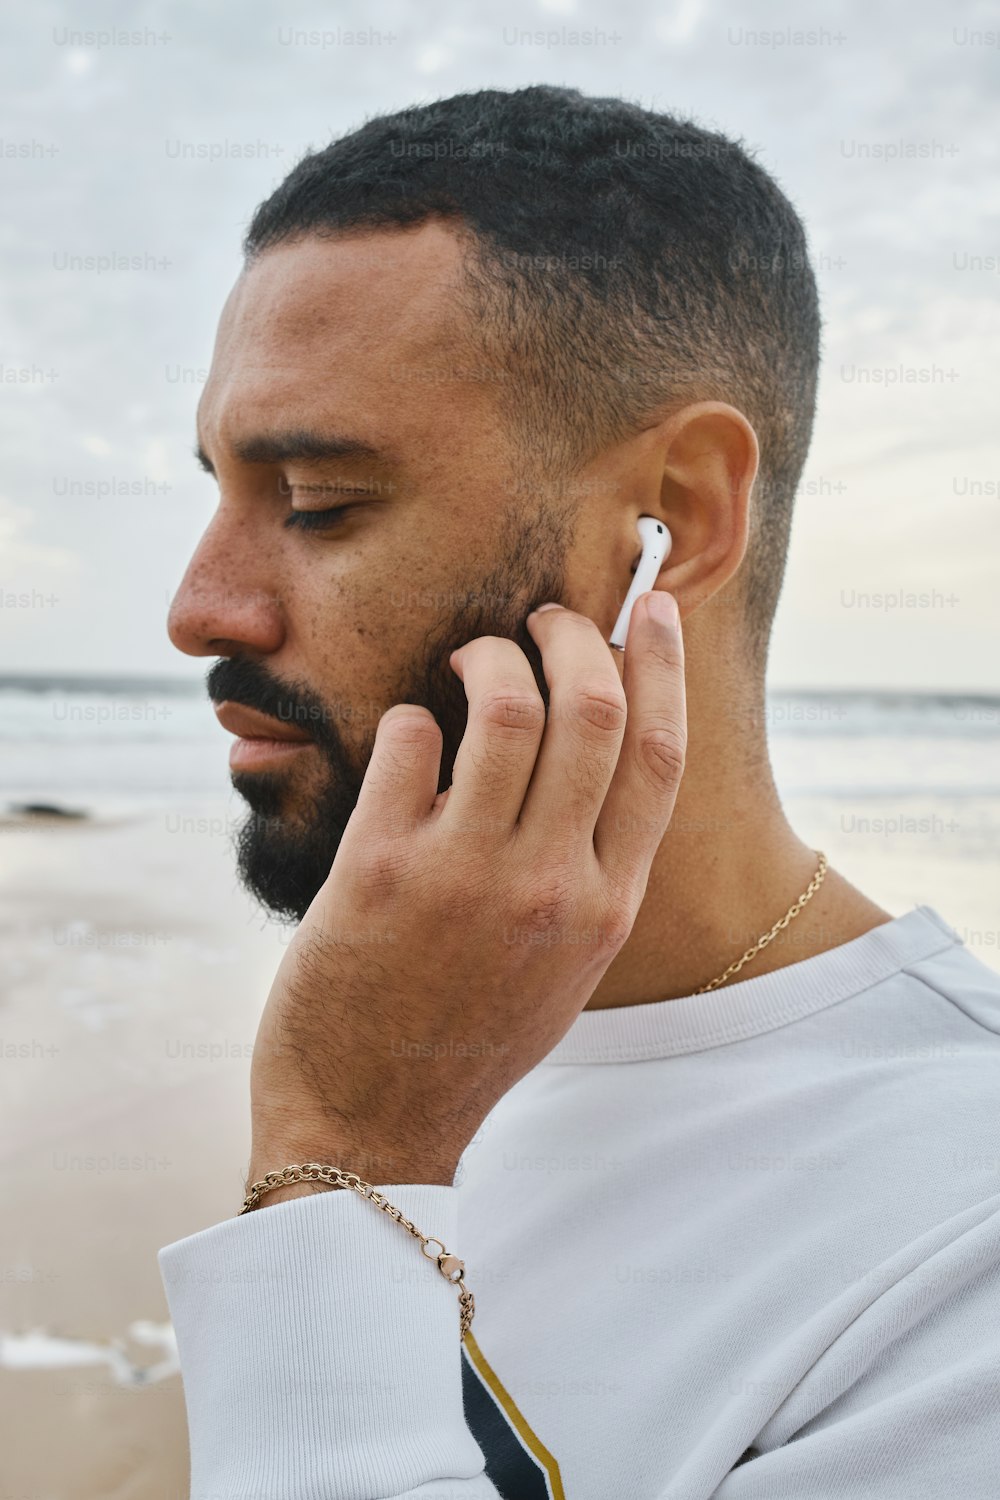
x: 228, y: 601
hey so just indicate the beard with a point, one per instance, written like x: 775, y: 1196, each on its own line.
x: 286, y: 847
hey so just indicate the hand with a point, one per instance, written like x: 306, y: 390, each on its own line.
x: 459, y: 935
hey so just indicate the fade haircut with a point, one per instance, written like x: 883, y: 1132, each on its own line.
x: 619, y: 264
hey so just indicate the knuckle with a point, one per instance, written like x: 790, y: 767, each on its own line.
x: 601, y: 707
x: 511, y: 709
x: 661, y: 752
x: 485, y: 644
x: 577, y: 621
x: 617, y: 927
x: 409, y: 724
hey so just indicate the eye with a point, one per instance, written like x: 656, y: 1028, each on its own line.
x: 317, y: 520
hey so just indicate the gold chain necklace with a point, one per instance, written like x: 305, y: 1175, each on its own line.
x: 762, y: 942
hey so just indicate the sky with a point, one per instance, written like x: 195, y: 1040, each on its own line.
x: 137, y: 140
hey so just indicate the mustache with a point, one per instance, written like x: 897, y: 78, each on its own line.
x: 238, y: 679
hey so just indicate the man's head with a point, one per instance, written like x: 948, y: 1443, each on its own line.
x: 494, y: 330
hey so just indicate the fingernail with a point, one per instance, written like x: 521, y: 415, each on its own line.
x: 539, y: 607
x: 663, y: 608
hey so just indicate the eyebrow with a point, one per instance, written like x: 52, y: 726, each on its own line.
x: 298, y: 445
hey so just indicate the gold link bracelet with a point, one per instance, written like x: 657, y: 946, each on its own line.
x: 451, y: 1268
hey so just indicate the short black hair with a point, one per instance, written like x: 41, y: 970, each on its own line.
x: 621, y: 263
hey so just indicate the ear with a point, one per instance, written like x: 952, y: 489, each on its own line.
x: 709, y: 457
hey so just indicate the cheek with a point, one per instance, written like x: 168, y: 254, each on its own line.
x: 348, y: 658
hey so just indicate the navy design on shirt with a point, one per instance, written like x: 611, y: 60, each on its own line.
x: 518, y: 1464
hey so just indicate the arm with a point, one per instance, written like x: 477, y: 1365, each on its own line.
x: 338, y: 1377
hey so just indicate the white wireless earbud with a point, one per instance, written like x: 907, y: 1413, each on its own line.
x: 656, y: 543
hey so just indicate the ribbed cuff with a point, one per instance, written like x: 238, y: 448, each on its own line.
x: 320, y: 1349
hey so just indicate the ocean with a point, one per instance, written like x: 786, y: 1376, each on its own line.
x: 901, y: 789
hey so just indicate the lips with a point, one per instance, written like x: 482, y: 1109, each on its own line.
x: 250, y: 724
x: 263, y: 743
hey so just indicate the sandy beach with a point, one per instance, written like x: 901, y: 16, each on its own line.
x: 133, y: 974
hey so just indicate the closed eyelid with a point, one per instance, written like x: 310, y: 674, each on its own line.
x: 317, y: 520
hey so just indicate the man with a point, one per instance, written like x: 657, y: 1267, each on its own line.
x: 705, y: 1125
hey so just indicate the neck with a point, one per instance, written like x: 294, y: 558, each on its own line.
x: 728, y: 868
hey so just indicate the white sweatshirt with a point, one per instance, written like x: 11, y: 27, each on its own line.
x: 742, y: 1245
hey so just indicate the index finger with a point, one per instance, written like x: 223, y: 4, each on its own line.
x: 640, y: 800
